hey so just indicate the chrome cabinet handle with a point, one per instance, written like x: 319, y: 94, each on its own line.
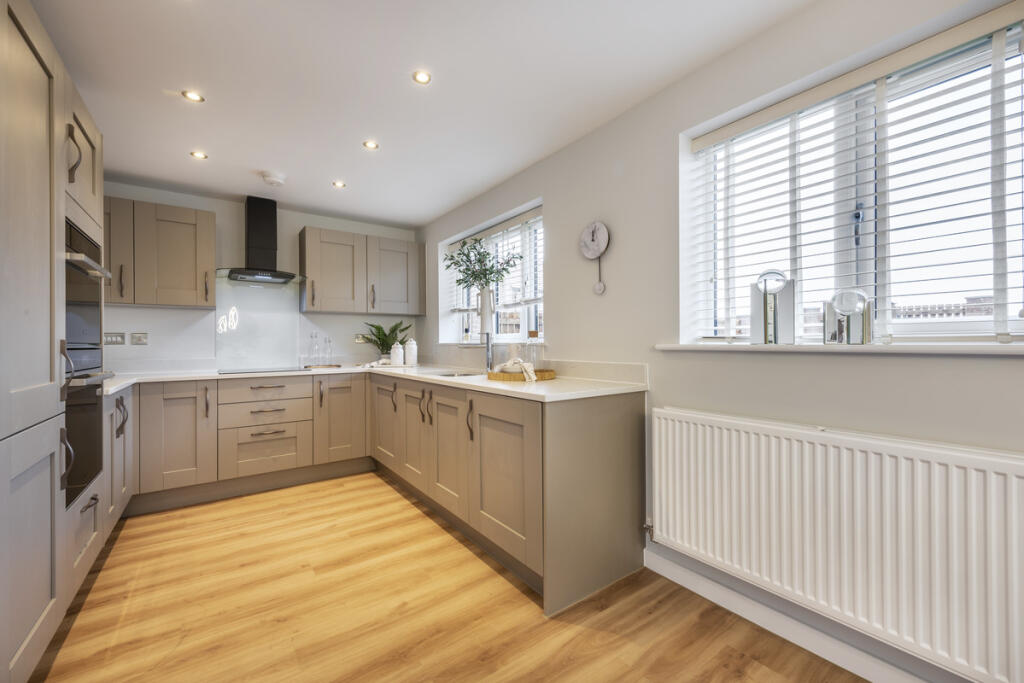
x: 394, y: 394
x: 321, y: 393
x: 429, y: 401
x: 93, y: 501
x: 268, y: 432
x: 74, y: 167
x: 68, y: 462
x: 312, y: 284
x: 120, y: 280
x: 206, y: 285
x: 266, y: 386
x: 423, y: 395
x: 206, y: 390
x: 266, y: 410
x: 373, y: 296
x: 71, y: 364
x: 469, y: 419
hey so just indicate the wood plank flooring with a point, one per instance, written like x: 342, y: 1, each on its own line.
x: 351, y: 579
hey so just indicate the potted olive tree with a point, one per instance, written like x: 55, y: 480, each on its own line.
x: 477, y: 267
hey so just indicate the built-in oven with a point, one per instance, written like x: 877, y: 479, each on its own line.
x: 83, y: 352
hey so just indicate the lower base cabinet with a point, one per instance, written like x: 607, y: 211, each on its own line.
x: 339, y: 418
x: 385, y: 442
x: 178, y: 427
x: 244, y: 451
x: 119, y: 424
x: 446, y: 473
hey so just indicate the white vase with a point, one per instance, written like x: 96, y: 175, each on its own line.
x: 486, y: 311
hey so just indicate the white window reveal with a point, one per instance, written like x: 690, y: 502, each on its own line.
x: 908, y: 187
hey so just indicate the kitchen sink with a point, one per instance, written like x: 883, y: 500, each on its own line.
x: 457, y: 374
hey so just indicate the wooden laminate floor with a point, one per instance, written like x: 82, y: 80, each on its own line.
x: 351, y: 579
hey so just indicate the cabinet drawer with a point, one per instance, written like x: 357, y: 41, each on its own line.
x: 265, y: 412
x: 244, y: 451
x: 264, y: 389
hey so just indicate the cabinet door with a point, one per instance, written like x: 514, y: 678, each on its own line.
x: 84, y: 155
x: 394, y: 271
x: 174, y: 255
x: 86, y: 524
x: 385, y: 421
x: 33, y: 529
x: 119, y: 250
x: 334, y: 265
x: 31, y: 207
x: 412, y: 460
x: 505, y: 484
x: 339, y: 418
x: 447, y: 452
x: 244, y: 451
x: 177, y: 434
x: 118, y: 462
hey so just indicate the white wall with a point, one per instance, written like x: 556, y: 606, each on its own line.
x: 183, y: 339
x: 626, y: 173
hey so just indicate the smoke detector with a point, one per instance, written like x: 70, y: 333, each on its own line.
x: 272, y: 179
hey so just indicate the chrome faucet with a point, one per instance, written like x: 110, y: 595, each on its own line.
x: 490, y: 350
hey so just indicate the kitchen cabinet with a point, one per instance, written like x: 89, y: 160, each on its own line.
x: 32, y: 176
x: 334, y: 266
x: 414, y: 434
x: 385, y: 421
x: 84, y: 163
x: 174, y: 255
x: 119, y: 454
x: 119, y: 250
x: 394, y: 276
x: 177, y: 434
x: 32, y: 524
x: 85, y: 524
x: 446, y: 454
x: 505, y: 475
x: 339, y: 418
x: 244, y: 451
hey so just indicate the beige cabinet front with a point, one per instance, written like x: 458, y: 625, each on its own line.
x: 33, y: 521
x: 119, y: 250
x: 385, y: 421
x: 32, y: 233
x: 394, y: 272
x: 447, y: 450
x: 244, y: 451
x: 414, y: 433
x: 84, y: 162
x: 339, y: 418
x: 174, y: 255
x: 119, y: 455
x: 334, y: 265
x: 505, y: 475
x: 177, y: 434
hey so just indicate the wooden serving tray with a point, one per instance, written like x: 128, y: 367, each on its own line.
x: 520, y: 377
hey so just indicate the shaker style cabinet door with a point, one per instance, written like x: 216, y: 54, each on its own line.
x: 339, y: 418
x: 174, y: 255
x: 416, y: 430
x: 334, y: 265
x: 505, y: 475
x: 118, y: 458
x: 394, y: 272
x: 84, y: 159
x: 32, y: 236
x: 177, y: 434
x: 119, y: 250
x: 385, y: 421
x: 447, y: 452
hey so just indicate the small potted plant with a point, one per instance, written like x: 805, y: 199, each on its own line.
x: 383, y: 339
x: 477, y: 267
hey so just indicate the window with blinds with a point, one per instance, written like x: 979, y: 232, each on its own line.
x: 908, y: 187
x: 519, y: 298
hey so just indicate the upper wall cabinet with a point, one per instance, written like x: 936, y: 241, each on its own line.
x: 334, y: 265
x: 394, y: 272
x: 174, y: 255
x: 119, y: 250
x: 349, y: 273
x: 84, y: 164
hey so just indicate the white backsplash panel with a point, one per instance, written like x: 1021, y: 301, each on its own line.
x: 257, y: 325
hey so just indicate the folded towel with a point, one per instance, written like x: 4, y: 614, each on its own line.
x: 519, y: 365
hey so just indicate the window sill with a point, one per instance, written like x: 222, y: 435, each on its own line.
x: 905, y: 348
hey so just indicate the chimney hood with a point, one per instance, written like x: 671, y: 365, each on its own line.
x: 260, y: 245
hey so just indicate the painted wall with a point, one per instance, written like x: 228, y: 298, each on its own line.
x: 183, y: 339
x: 626, y: 173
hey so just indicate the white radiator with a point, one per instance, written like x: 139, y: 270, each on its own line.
x: 920, y: 545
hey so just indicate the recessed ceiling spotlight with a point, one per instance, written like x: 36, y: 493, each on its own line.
x: 339, y: 184
x: 192, y: 96
x: 199, y: 155
x: 420, y: 76
x: 371, y: 144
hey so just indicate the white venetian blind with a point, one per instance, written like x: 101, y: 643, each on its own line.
x: 908, y: 187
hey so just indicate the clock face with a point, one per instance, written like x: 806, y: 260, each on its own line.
x: 594, y: 240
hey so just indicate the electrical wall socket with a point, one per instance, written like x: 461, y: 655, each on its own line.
x: 140, y: 338
x: 113, y: 338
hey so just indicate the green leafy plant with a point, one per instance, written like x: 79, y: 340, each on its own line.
x: 385, y: 339
x: 477, y: 266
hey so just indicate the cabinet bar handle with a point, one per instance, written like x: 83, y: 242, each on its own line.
x: 394, y: 393
x: 267, y: 432
x: 423, y: 395
x: 321, y: 393
x: 373, y: 296
x: 312, y: 284
x: 469, y: 419
x: 266, y: 386
x: 71, y: 364
x: 206, y: 285
x: 206, y: 390
x: 78, y: 162
x: 267, y: 410
x: 429, y: 401
x: 120, y: 280
x: 68, y: 462
x: 93, y: 501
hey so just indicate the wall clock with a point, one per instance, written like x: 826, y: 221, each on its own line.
x: 593, y: 243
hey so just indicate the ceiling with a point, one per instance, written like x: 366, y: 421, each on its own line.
x: 295, y: 87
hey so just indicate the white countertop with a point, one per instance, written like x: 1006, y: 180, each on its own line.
x: 559, y: 389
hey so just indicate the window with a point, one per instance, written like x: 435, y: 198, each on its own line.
x: 519, y: 299
x: 908, y: 187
